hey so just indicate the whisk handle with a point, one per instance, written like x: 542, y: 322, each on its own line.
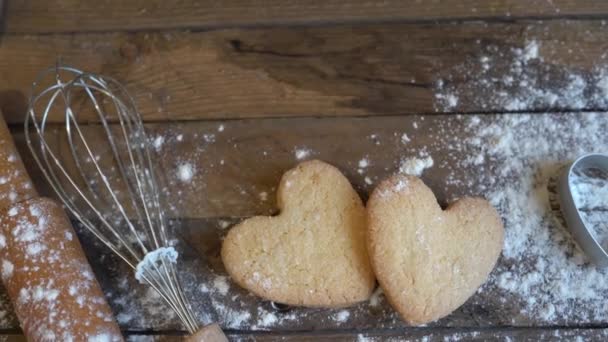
x: 208, y: 333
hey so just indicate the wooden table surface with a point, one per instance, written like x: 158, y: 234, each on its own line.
x: 335, y: 77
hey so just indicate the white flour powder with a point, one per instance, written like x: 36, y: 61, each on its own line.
x: 526, y: 83
x: 415, y: 166
x: 515, y: 160
x: 512, y: 160
x: 185, y: 172
x: 302, y: 153
x: 541, y: 266
x: 590, y: 193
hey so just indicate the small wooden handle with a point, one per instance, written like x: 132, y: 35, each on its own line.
x: 208, y: 333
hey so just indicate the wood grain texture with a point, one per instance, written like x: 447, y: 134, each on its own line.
x: 237, y: 161
x: 440, y: 335
x: 410, y: 335
x: 355, y: 89
x: 238, y: 166
x: 428, y: 335
x: 332, y: 71
x: 38, y: 16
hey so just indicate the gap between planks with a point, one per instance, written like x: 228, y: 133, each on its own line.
x: 36, y: 16
x: 17, y: 128
x: 437, y: 333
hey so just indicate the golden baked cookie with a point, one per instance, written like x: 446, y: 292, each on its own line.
x: 314, y: 252
x: 427, y: 260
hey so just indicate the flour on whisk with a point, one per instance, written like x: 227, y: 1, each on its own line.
x: 154, y: 259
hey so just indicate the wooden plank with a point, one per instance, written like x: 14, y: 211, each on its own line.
x: 238, y: 163
x: 438, y: 334
x: 36, y: 16
x: 256, y: 152
x: 415, y: 335
x: 412, y: 335
x: 329, y: 71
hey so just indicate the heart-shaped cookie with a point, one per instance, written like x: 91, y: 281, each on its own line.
x: 427, y: 260
x: 314, y: 252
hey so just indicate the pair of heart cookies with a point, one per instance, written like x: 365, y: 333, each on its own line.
x: 325, y: 249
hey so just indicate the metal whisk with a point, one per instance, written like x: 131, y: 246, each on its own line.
x: 103, y: 173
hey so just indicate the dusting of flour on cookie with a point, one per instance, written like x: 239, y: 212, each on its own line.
x: 415, y: 166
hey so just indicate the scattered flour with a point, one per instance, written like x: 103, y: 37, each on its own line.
x: 526, y: 84
x: 185, y: 172
x: 514, y: 161
x: 302, y: 153
x: 362, y: 338
x: 542, y: 275
x: 590, y: 194
x: 267, y: 319
x: 342, y: 316
x: 101, y: 338
x: 158, y: 142
x: 34, y: 248
x: 209, y: 138
x: 12, y: 212
x: 236, y: 319
x: 263, y: 196
x: 7, y: 269
x: 224, y: 224
x: 221, y: 285
x: 541, y: 264
x: 415, y: 166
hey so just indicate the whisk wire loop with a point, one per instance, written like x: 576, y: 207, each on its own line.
x: 111, y: 188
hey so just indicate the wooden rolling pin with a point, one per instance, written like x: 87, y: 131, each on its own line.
x: 46, y: 274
